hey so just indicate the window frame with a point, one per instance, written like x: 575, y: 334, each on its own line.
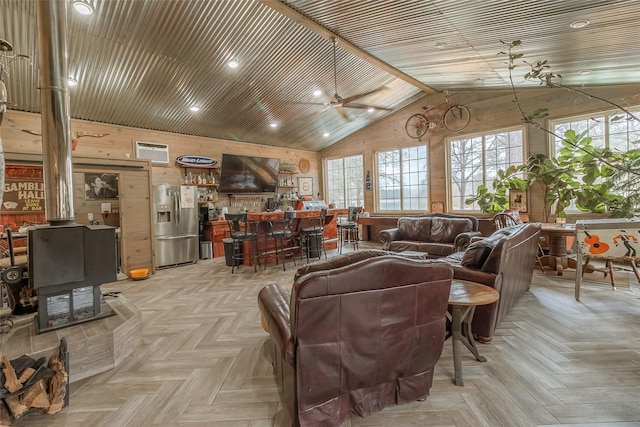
x: 377, y: 181
x: 483, y: 135
x: 325, y: 179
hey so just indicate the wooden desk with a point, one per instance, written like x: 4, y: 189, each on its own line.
x: 380, y: 221
x: 463, y: 298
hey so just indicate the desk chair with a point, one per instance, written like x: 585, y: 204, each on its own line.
x: 348, y: 228
x: 509, y: 219
x: 246, y: 233
x: 313, y: 235
x: 284, y: 237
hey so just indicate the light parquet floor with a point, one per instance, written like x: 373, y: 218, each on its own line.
x: 554, y: 361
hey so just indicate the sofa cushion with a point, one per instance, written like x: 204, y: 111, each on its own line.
x: 445, y: 230
x: 412, y: 228
x: 477, y: 253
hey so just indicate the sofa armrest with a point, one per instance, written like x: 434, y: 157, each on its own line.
x: 389, y: 235
x: 273, y: 301
x: 462, y: 240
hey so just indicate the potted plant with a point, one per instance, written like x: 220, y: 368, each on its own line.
x: 496, y: 198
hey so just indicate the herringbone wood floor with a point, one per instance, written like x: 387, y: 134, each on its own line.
x: 554, y: 361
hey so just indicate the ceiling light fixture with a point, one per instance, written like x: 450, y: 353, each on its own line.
x: 233, y: 63
x: 72, y: 82
x: 584, y: 72
x: 317, y: 92
x: 326, y: 134
x: 194, y: 108
x: 371, y: 109
x: 581, y: 23
x: 83, y: 7
x: 441, y: 45
x: 274, y: 125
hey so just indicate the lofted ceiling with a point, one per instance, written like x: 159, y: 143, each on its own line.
x: 143, y: 63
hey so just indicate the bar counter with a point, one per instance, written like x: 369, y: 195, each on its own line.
x: 216, y: 231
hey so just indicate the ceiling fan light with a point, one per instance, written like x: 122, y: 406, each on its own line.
x: 83, y: 7
x: 273, y: 125
x: 371, y: 109
x: 317, y: 92
x: 233, y: 63
x: 72, y: 82
x: 194, y: 108
x: 326, y: 134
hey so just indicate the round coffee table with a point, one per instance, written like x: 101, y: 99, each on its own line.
x: 463, y: 298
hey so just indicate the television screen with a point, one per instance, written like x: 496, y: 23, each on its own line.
x: 246, y: 174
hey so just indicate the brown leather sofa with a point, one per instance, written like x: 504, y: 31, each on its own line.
x: 437, y: 234
x: 505, y: 261
x: 356, y: 333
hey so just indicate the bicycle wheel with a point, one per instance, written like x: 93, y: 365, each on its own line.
x: 456, y: 118
x: 416, y: 126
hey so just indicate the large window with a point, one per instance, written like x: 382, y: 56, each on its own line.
x: 345, y: 183
x: 402, y: 179
x: 476, y: 160
x: 608, y: 129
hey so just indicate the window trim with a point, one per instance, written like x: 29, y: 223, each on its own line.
x: 447, y: 166
x: 376, y: 181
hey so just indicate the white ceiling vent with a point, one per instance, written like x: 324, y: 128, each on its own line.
x: 157, y: 153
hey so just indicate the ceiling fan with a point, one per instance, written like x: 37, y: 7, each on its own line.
x: 339, y: 103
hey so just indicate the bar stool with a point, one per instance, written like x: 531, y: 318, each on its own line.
x: 241, y: 235
x: 313, y: 235
x: 348, y: 229
x: 281, y: 231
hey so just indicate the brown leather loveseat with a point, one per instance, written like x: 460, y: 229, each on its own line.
x: 505, y: 261
x: 356, y: 333
x: 437, y: 234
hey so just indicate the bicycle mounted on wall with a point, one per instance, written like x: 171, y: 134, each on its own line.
x: 454, y: 117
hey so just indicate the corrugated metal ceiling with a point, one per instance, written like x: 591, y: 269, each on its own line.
x: 142, y: 63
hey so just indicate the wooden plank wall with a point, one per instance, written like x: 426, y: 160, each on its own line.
x: 490, y: 110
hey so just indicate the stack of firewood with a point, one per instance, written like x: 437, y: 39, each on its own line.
x: 27, y: 383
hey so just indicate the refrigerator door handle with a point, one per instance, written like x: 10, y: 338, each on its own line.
x: 176, y: 207
x: 183, y: 236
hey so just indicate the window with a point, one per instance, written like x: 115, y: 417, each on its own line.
x: 402, y: 179
x: 476, y: 160
x: 608, y: 129
x: 345, y: 183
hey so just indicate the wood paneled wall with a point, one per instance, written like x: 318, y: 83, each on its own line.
x: 490, y: 110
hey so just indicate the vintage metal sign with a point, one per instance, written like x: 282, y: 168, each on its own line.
x: 23, y: 195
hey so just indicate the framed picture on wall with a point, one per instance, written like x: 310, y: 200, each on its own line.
x: 101, y: 186
x: 305, y: 186
x: 518, y: 200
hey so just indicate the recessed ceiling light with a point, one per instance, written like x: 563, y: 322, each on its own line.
x: 584, y: 72
x: 72, y: 82
x: 273, y: 125
x: 441, y: 45
x: 326, y: 134
x: 371, y: 109
x: 317, y: 92
x: 581, y: 23
x: 233, y: 63
x: 83, y: 7
x: 194, y: 108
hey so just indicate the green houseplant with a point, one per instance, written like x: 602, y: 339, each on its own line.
x: 496, y: 198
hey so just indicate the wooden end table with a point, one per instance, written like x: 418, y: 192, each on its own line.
x: 463, y: 298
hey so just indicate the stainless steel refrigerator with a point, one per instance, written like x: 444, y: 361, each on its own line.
x: 175, y: 216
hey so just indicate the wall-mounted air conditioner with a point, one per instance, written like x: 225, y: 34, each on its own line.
x: 157, y: 153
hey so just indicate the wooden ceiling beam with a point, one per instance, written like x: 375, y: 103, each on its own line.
x: 344, y: 44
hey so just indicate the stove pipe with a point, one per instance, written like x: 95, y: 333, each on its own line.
x: 54, y: 105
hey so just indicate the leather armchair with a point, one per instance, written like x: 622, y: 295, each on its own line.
x: 504, y: 261
x: 359, y: 334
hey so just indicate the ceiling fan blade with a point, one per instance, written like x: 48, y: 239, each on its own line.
x: 343, y: 113
x: 365, y: 106
x: 362, y: 95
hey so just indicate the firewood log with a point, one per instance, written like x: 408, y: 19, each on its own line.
x: 26, y: 374
x: 11, y: 382
x: 5, y: 416
x: 57, y: 385
x: 36, y: 396
x: 16, y: 407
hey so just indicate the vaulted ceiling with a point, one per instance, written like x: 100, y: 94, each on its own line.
x: 143, y: 63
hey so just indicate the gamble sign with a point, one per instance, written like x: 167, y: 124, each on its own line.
x: 23, y: 195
